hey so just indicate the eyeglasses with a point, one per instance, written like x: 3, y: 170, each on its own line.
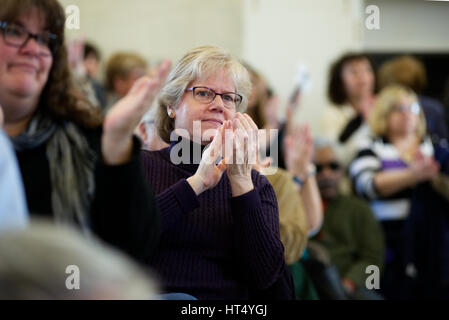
x: 18, y: 36
x: 333, y: 165
x: 231, y: 100
x: 413, y: 108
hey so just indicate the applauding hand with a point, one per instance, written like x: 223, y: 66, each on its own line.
x: 124, y: 116
x: 298, y: 150
x: 209, y: 174
x: 244, y: 154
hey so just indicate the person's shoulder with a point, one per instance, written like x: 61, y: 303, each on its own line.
x: 279, y: 176
x: 155, y: 155
x: 338, y: 110
x: 6, y: 149
x: 431, y: 104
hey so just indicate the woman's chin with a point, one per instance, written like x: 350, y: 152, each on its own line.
x: 208, y: 134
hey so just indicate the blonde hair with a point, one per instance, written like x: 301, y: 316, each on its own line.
x: 385, y: 102
x: 198, y: 63
x: 121, y: 64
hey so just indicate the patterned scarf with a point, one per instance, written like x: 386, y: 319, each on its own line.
x: 71, y: 163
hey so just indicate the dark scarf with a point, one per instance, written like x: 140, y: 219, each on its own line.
x: 71, y: 164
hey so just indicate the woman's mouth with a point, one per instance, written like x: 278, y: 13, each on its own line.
x: 214, y: 121
x: 27, y: 67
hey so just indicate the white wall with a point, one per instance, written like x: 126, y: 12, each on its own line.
x: 410, y: 25
x: 281, y: 33
x: 159, y: 28
x: 273, y: 35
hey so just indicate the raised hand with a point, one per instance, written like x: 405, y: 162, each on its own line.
x: 125, y: 115
x: 298, y: 150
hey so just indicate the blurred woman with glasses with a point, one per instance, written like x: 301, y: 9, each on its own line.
x: 388, y: 168
x: 220, y: 221
x: 76, y: 166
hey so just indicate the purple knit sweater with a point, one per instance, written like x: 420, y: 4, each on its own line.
x: 215, y: 246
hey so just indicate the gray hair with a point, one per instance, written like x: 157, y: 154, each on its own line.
x: 198, y: 63
x: 34, y: 264
x: 322, y: 142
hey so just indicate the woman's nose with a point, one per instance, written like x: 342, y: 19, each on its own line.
x: 218, y: 102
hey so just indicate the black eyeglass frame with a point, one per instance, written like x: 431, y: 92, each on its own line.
x: 53, y: 41
x: 192, y: 89
x: 333, y: 165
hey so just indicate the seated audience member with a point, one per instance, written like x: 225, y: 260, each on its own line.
x: 350, y: 232
x: 122, y: 71
x: 147, y: 132
x: 76, y: 166
x: 294, y: 229
x: 294, y: 226
x: 47, y: 262
x: 386, y: 170
x: 410, y: 72
x: 298, y: 154
x: 81, y: 76
x: 351, y: 90
x: 295, y: 157
x: 427, y: 244
x: 91, y: 62
x: 13, y: 209
x: 220, y: 222
x: 298, y: 200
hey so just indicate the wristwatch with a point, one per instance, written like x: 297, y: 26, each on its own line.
x: 311, y: 171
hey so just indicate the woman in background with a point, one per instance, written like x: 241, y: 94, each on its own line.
x: 76, y: 167
x: 390, y: 166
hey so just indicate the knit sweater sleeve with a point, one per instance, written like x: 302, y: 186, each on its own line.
x: 124, y: 207
x: 175, y: 201
x: 257, y: 239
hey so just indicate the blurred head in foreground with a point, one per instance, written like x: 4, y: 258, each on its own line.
x: 46, y: 261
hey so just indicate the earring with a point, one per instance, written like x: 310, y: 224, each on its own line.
x: 171, y: 114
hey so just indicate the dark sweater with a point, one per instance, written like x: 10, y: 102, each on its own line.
x: 353, y: 238
x: 123, y: 212
x: 215, y: 246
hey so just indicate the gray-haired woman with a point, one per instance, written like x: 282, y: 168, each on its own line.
x: 220, y: 232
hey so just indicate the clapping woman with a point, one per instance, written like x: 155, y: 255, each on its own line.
x: 220, y: 221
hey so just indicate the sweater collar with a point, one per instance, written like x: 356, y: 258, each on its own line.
x: 185, y: 153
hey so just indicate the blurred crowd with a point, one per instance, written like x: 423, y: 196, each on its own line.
x: 357, y: 211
